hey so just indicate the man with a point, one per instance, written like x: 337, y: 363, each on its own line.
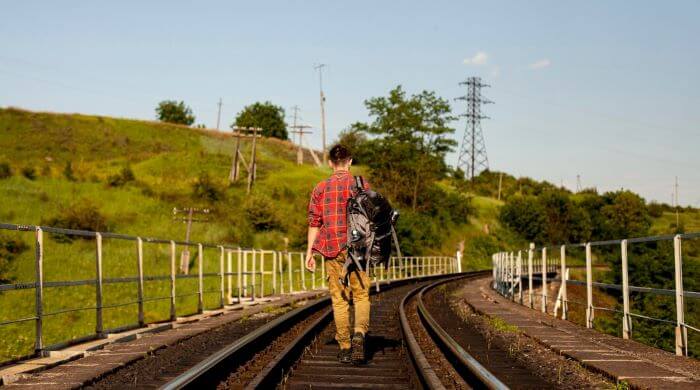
x: 328, y: 236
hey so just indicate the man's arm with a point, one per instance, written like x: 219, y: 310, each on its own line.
x: 311, y: 238
x: 315, y: 220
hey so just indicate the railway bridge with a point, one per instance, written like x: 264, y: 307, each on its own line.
x: 141, y: 314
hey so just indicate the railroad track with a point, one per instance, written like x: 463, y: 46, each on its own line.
x: 296, y: 351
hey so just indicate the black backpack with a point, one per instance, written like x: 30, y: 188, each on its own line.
x: 370, y: 224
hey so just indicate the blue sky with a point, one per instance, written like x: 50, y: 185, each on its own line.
x: 605, y: 90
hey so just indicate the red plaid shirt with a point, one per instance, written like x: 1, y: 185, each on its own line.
x: 327, y: 211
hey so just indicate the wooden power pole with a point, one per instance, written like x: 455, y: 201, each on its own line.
x: 190, y: 212
x: 323, y: 111
x: 244, y: 132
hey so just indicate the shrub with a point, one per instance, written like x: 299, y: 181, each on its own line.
x: 205, y: 189
x: 68, y: 171
x: 124, y: 176
x: 29, y: 173
x: 655, y: 209
x: 5, y: 170
x: 9, y: 249
x: 261, y: 213
x: 83, y: 215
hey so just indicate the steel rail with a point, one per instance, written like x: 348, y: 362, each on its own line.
x: 424, y: 371
x: 471, y: 370
x: 202, y: 375
x: 197, y: 376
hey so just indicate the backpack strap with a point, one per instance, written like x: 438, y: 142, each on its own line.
x: 359, y: 184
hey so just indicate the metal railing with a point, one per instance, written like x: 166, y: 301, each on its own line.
x: 221, y: 274
x: 510, y: 269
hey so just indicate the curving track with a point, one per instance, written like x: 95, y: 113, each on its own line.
x: 300, y: 353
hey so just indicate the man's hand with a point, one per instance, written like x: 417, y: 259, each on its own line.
x: 310, y: 262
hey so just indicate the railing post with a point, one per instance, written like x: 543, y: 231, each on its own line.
x: 511, y: 278
x: 200, y: 278
x: 544, y: 280
x: 301, y: 272
x: 626, y: 318
x: 245, y: 273
x: 589, y: 287
x: 681, y: 330
x: 99, y: 327
x: 229, y: 277
x: 313, y: 281
x: 222, y: 257
x: 262, y: 273
x: 39, y: 291
x: 253, y: 275
x: 519, y: 270
x: 173, y: 259
x: 323, y: 273
x: 459, y: 261
x: 280, y: 269
x: 274, y: 272
x: 239, y: 276
x: 139, y: 268
x: 290, y: 273
x: 562, y: 276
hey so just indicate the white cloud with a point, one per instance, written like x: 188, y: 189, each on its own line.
x: 541, y: 64
x: 480, y: 58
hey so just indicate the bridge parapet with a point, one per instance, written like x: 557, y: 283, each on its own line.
x: 592, y: 265
x: 145, y: 278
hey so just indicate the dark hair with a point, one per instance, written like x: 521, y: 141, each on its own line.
x: 340, y: 154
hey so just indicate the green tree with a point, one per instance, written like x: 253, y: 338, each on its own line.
x: 412, y: 137
x: 267, y: 116
x: 173, y: 112
x: 626, y: 215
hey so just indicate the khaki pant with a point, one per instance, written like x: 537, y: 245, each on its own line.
x: 340, y: 297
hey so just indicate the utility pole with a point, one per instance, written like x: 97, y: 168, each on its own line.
x: 676, y: 201
x: 320, y: 67
x: 299, y: 129
x: 218, y: 116
x: 190, y: 211
x: 500, y: 183
x: 244, y: 132
x: 472, y: 154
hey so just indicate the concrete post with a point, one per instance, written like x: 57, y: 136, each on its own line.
x: 274, y: 273
x: 681, y: 330
x: 290, y: 273
x: 253, y: 275
x: 239, y: 276
x: 139, y: 269
x: 39, y: 291
x: 173, y: 260
x: 589, y: 287
x: 261, y: 259
x: 626, y: 318
x: 302, y: 272
x: 245, y: 273
x: 229, y: 271
x: 564, y: 299
x: 519, y: 275
x: 98, y: 286
x: 544, y: 280
x: 222, y: 257
x: 200, y: 279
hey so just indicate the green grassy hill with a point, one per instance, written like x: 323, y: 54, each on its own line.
x: 173, y: 166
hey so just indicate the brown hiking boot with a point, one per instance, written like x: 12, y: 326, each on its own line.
x: 345, y: 356
x: 358, y: 348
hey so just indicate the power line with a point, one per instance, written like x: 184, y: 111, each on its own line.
x: 472, y: 153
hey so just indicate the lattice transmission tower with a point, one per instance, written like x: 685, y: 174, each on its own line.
x: 472, y: 153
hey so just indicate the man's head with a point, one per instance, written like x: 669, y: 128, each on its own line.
x: 339, y: 158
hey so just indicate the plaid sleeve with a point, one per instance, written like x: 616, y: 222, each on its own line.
x: 315, y: 214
